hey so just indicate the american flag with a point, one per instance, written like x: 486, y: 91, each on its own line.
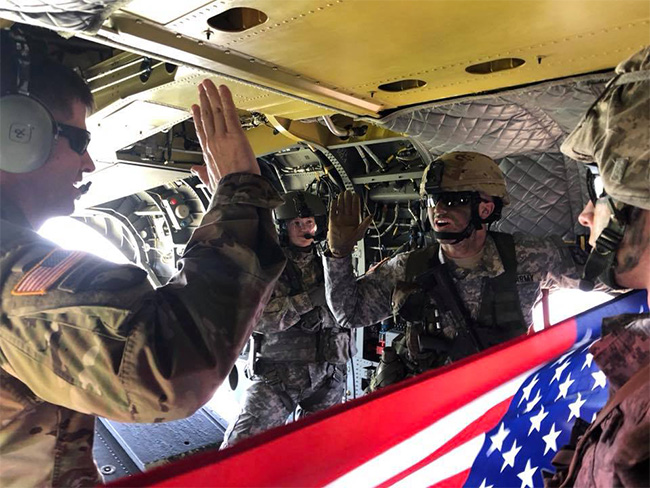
x: 496, y: 419
x: 39, y: 279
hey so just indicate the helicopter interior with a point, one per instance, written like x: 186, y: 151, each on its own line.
x: 333, y: 95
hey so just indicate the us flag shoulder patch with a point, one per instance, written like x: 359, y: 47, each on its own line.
x: 39, y: 279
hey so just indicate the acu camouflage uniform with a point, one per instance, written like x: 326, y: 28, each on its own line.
x: 383, y: 291
x: 99, y: 341
x: 302, y: 355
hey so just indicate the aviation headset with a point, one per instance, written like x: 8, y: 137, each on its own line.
x: 28, y: 130
x: 301, y: 204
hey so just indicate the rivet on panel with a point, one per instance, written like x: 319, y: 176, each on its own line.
x: 311, y: 11
x: 138, y: 21
x: 226, y: 51
x: 251, y: 60
x: 200, y: 43
x: 178, y: 36
x: 275, y: 68
x: 320, y: 8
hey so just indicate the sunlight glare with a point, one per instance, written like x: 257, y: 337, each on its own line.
x: 73, y: 235
x: 566, y: 303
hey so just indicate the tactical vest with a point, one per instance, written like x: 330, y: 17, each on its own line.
x: 499, y: 319
x: 307, y: 341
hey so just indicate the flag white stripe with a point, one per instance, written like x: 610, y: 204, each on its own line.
x: 404, y: 455
x: 452, y: 463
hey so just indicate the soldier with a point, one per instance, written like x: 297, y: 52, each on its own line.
x: 615, y: 133
x: 82, y: 337
x: 299, y: 353
x: 469, y: 291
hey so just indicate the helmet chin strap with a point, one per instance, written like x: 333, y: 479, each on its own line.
x: 474, y: 224
x: 455, y: 236
x: 602, y: 259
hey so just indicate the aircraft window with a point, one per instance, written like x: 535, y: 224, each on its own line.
x: 238, y: 19
x: 74, y: 235
x: 566, y: 303
x: 494, y: 66
x: 402, y: 85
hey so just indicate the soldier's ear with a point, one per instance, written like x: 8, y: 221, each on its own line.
x: 485, y: 209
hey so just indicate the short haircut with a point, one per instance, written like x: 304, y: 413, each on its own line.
x: 55, y: 85
x: 58, y: 87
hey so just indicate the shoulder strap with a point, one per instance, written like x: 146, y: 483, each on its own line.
x: 294, y: 275
x: 500, y: 304
x: 420, y: 261
x: 506, y: 246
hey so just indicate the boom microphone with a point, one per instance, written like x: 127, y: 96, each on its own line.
x: 85, y: 187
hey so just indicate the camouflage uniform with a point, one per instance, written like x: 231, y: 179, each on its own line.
x: 303, y: 355
x: 377, y: 295
x: 99, y: 341
x: 617, y: 453
x: 615, y: 133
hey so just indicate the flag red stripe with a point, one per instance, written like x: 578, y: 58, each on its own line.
x: 349, y: 435
x: 456, y: 481
x: 481, y: 425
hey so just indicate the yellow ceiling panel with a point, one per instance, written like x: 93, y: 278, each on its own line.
x: 338, y: 52
x: 182, y: 93
x: 358, y: 45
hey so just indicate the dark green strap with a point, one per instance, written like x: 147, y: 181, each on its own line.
x: 295, y: 278
x: 421, y: 260
x: 500, y: 308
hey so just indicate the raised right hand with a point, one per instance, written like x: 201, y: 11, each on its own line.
x: 344, y: 229
x: 225, y: 147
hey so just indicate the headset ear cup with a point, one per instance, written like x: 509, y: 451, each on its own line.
x: 28, y: 132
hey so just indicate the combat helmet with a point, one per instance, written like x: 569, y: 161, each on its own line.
x: 469, y: 174
x: 300, y: 204
x: 615, y: 134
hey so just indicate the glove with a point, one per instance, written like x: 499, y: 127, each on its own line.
x: 317, y: 296
x: 344, y: 229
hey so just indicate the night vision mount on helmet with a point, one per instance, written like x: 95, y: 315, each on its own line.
x: 468, y: 173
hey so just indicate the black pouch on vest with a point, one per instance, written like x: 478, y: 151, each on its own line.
x: 335, y: 346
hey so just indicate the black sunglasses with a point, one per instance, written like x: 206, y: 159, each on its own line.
x: 451, y: 199
x: 77, y: 138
